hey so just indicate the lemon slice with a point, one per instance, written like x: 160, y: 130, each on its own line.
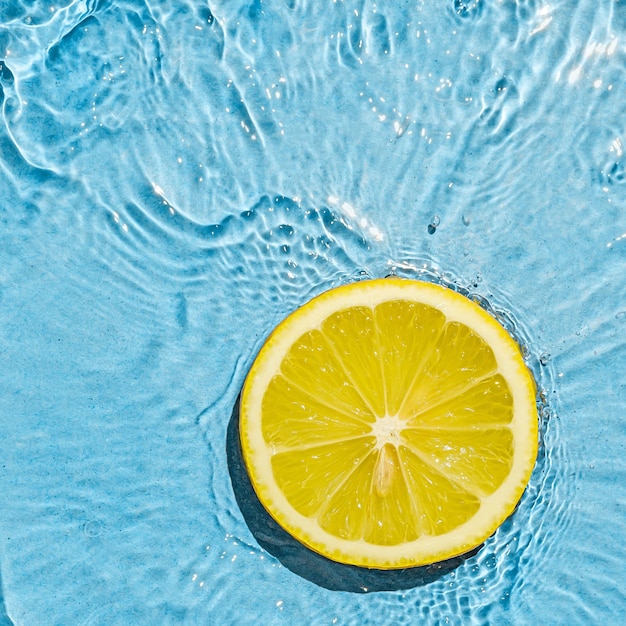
x: 389, y: 423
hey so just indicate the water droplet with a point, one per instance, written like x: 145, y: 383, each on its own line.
x: 467, y: 8
x: 93, y: 528
x: 434, y: 222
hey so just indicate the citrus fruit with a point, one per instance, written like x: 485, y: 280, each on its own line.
x: 389, y: 423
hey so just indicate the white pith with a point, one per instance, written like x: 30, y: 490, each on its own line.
x: 388, y: 430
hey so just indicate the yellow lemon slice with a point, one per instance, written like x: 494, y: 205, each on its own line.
x: 389, y: 423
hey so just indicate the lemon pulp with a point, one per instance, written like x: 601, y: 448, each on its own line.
x: 389, y: 423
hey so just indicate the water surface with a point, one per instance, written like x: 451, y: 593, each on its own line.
x: 176, y: 177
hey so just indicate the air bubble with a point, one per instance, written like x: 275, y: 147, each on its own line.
x: 544, y: 358
x: 434, y: 222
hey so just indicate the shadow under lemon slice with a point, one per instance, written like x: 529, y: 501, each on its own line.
x: 389, y: 424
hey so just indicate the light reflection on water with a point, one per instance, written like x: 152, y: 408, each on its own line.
x: 176, y: 179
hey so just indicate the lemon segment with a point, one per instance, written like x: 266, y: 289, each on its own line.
x: 389, y: 423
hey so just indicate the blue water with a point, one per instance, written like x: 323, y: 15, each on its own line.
x: 177, y: 176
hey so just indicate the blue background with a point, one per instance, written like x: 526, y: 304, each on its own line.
x: 177, y: 176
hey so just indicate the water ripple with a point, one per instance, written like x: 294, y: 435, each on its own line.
x: 176, y: 178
